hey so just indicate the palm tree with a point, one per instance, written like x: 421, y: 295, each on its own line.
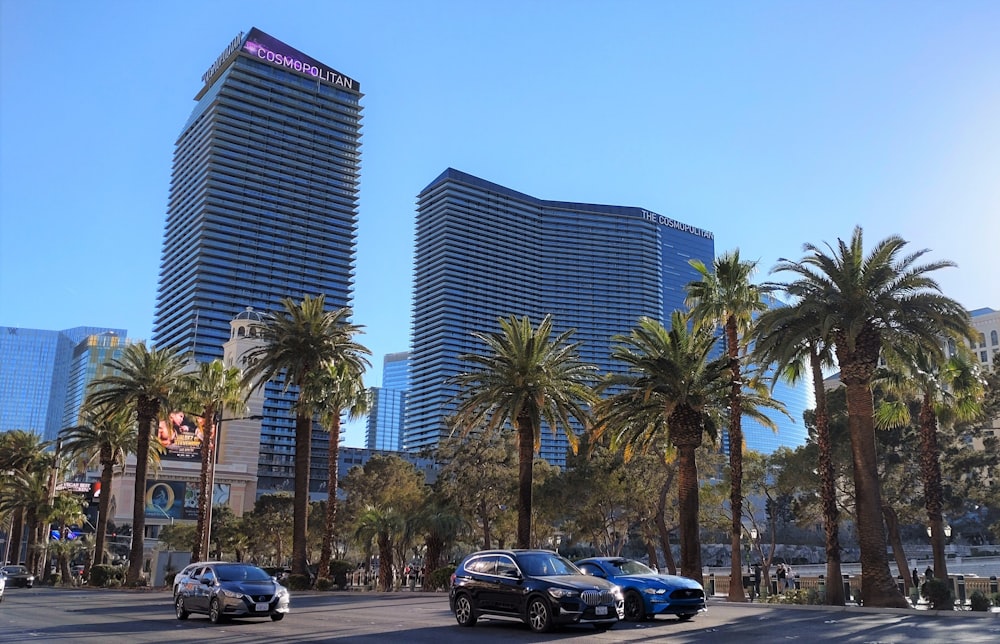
x: 526, y: 378
x: 66, y: 510
x: 441, y: 523
x: 19, y: 454
x: 295, y: 343
x: 867, y: 302
x: 725, y: 297
x: 672, y: 392
x: 338, y: 388
x: 212, y: 389
x: 109, y: 436
x: 949, y: 391
x: 382, y: 525
x: 143, y: 381
x: 790, y: 337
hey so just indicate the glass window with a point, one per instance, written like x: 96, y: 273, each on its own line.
x: 993, y: 338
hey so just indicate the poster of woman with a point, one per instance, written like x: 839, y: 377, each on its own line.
x: 181, y: 435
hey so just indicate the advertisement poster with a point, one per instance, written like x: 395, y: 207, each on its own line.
x: 220, y: 497
x: 180, y: 435
x: 165, y: 500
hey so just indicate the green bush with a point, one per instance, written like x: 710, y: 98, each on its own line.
x: 299, y: 582
x: 339, y: 569
x: 101, y: 574
x: 938, y: 593
x: 168, y: 579
x: 996, y: 599
x: 113, y: 583
x: 324, y: 583
x: 439, y: 578
x: 805, y: 596
x: 978, y: 601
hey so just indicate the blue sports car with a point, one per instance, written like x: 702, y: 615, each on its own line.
x: 648, y: 593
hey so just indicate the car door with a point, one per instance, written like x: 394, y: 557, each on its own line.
x: 482, y: 572
x: 201, y: 585
x: 508, y: 586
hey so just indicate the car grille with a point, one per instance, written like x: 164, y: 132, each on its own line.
x: 687, y: 593
x: 597, y: 597
x: 261, y: 598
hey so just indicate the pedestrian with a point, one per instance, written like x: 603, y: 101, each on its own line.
x: 916, y: 579
x: 789, y: 577
x: 928, y: 574
x: 755, y: 592
x: 780, y: 574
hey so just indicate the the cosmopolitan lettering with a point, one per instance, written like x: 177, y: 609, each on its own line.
x: 226, y: 53
x: 321, y: 73
x: 677, y: 225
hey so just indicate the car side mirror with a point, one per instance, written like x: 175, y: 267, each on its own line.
x: 598, y: 573
x: 513, y: 574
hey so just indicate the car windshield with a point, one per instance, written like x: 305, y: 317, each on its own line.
x: 14, y: 570
x: 235, y: 572
x: 541, y: 564
x: 630, y: 567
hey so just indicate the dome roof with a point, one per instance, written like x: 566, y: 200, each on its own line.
x: 250, y: 314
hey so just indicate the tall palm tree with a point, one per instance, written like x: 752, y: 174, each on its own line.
x: 211, y: 389
x: 527, y: 377
x: 866, y: 302
x: 673, y: 392
x: 301, y: 340
x: 725, y: 297
x: 440, y: 522
x: 790, y: 338
x: 107, y: 436
x: 949, y: 391
x: 331, y: 392
x: 66, y: 510
x: 19, y: 455
x: 142, y: 380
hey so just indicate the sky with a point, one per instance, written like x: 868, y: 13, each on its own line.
x: 771, y: 124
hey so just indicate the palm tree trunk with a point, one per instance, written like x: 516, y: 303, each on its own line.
x: 687, y: 495
x: 103, y: 508
x: 385, y: 562
x: 332, y: 463
x: 898, y: 552
x: 146, y: 411
x: 525, y: 463
x: 300, y: 505
x: 16, y: 536
x: 930, y: 471
x: 828, y: 491
x: 205, y: 494
x: 877, y: 587
x: 487, y: 537
x: 736, y: 593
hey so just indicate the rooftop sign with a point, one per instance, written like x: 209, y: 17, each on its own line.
x: 262, y: 46
x: 673, y: 223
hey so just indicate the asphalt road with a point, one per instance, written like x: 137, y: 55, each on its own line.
x: 87, y: 616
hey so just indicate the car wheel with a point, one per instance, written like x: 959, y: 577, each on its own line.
x: 539, y: 615
x: 685, y: 617
x: 635, y: 609
x: 179, y: 609
x: 465, y: 610
x: 215, y: 612
x: 277, y: 617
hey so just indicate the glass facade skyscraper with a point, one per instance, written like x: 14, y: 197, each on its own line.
x: 388, y: 404
x: 263, y: 205
x: 35, y: 368
x: 264, y: 193
x: 485, y: 251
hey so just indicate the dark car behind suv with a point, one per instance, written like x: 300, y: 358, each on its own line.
x: 538, y: 587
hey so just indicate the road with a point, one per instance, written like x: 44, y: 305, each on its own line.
x: 50, y: 615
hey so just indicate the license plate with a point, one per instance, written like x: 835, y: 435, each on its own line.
x: 601, y: 610
x: 261, y: 607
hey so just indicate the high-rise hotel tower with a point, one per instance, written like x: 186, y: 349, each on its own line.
x: 264, y: 194
x: 484, y: 251
x: 263, y: 206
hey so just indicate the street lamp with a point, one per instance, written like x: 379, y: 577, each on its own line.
x: 213, y: 459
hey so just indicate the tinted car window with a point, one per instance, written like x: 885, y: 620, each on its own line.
x: 241, y: 573
x: 506, y: 567
x: 543, y: 564
x: 483, y: 565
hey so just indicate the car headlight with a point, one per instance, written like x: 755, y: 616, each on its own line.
x: 281, y: 592
x: 231, y: 593
x: 561, y: 593
x: 655, y: 591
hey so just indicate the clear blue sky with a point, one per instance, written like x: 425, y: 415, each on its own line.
x: 770, y: 123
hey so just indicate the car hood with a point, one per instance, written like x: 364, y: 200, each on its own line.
x: 580, y: 582
x: 674, y: 581
x: 252, y: 587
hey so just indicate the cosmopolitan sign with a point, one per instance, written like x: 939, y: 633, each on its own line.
x: 673, y: 223
x: 264, y: 47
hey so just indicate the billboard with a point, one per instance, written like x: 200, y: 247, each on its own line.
x: 270, y: 49
x: 180, y: 436
x: 165, y: 500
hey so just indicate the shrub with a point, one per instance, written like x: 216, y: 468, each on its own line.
x: 168, y: 579
x: 938, y: 593
x: 101, y: 574
x: 140, y: 583
x: 339, y: 570
x: 439, y: 578
x: 299, y: 582
x: 324, y: 583
x: 996, y: 599
x: 112, y: 583
x: 978, y: 601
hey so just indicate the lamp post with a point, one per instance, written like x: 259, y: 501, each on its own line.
x: 213, y: 456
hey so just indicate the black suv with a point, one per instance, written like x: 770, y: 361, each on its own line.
x: 538, y: 587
